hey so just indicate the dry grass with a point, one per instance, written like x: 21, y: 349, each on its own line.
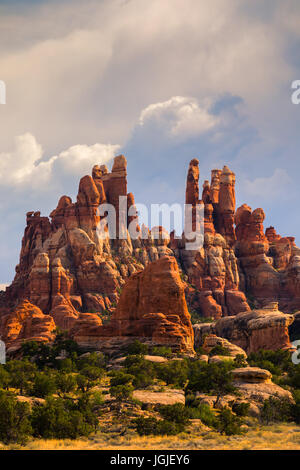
x: 282, y: 436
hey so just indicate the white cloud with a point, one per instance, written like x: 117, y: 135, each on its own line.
x: 268, y: 188
x: 23, y: 167
x: 181, y: 117
x: 84, y: 70
x: 3, y: 286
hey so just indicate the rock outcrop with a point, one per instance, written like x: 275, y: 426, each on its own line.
x: 213, y: 269
x: 258, y: 329
x: 152, y: 308
x: 74, y: 265
x: 25, y: 322
x: 211, y: 341
x: 254, y: 386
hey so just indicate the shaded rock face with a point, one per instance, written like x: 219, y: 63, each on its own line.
x: 152, y: 308
x: 270, y: 264
x: 258, y: 329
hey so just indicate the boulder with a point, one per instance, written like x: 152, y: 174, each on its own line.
x: 265, y: 328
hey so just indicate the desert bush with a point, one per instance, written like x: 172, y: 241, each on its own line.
x: 142, y: 371
x: 275, y: 361
x: 293, y: 378
x: 14, y: 420
x: 66, y: 365
x: 4, y: 378
x: 137, y: 348
x: 219, y: 350
x: 65, y: 383
x: 93, y: 373
x: 93, y: 359
x: 241, y: 409
x: 204, y: 413
x: 153, y: 426
x: 120, y: 378
x: 121, y: 392
x: 276, y: 410
x: 173, y: 373
x: 83, y: 383
x: 295, y: 412
x: 240, y: 361
x: 211, y: 378
x: 163, y: 351
x: 44, y: 384
x: 176, y: 413
x: 21, y: 373
x: 61, y: 419
x: 228, y: 423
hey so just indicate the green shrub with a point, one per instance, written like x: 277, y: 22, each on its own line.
x: 276, y: 410
x: 176, y: 413
x: 137, y: 348
x: 212, y: 378
x: 241, y: 409
x: 21, y: 374
x: 148, y: 426
x: 14, y: 419
x: 240, y: 361
x: 83, y: 383
x: 93, y: 373
x: 295, y: 412
x: 142, y: 371
x: 163, y: 351
x: 275, y: 361
x: 66, y: 365
x: 219, y: 350
x: 4, y: 378
x: 293, y: 378
x: 173, y: 373
x: 120, y: 378
x: 93, y: 359
x: 228, y: 423
x: 65, y: 383
x: 204, y: 413
x: 43, y: 385
x: 197, y: 318
x: 61, y: 419
x: 121, y: 392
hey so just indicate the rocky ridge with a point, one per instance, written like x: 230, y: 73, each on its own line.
x: 107, y: 292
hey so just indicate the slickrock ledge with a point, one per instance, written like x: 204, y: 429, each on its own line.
x: 258, y: 329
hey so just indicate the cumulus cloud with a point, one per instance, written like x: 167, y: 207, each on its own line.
x: 30, y: 181
x: 180, y: 117
x: 81, y: 72
x: 86, y: 69
x: 24, y: 167
x: 3, y: 286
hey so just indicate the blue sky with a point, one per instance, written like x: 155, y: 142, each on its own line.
x: 160, y: 81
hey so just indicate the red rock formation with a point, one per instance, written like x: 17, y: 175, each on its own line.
x: 25, y: 322
x: 73, y: 270
x: 213, y: 269
x: 259, y: 329
x: 261, y: 279
x: 226, y: 207
x: 192, y: 183
x: 152, y: 308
